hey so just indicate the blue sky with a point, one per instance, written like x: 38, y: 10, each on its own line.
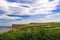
x: 27, y: 11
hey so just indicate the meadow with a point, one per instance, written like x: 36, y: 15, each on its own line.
x: 41, y: 32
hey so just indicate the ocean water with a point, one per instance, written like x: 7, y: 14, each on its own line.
x: 5, y: 27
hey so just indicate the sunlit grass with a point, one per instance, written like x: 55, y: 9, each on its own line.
x: 41, y: 32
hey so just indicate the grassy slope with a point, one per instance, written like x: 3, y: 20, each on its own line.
x: 32, y: 33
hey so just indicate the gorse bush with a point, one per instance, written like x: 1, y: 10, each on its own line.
x: 32, y: 33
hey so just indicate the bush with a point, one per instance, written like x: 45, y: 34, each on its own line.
x: 32, y: 34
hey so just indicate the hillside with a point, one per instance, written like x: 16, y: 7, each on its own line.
x: 51, y: 24
x: 33, y: 32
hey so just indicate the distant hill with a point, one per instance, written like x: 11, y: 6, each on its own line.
x: 50, y: 24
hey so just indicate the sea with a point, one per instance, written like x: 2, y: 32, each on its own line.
x: 5, y: 27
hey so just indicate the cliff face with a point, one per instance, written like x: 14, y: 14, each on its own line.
x: 33, y: 24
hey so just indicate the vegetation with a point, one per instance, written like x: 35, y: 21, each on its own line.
x: 32, y: 33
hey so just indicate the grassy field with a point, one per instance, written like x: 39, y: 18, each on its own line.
x: 33, y: 33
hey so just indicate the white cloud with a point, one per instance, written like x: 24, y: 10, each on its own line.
x: 38, y: 7
x: 8, y: 17
x: 45, y: 7
x: 47, y: 18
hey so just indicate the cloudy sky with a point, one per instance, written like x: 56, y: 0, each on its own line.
x: 27, y: 11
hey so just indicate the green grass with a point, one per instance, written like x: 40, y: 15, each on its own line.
x: 32, y: 33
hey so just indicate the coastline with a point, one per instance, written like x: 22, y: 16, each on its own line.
x: 5, y: 30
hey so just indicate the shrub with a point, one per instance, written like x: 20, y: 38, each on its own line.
x: 32, y: 34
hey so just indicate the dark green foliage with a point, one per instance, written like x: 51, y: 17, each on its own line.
x: 33, y: 33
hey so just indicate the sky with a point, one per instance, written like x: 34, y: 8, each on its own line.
x: 28, y: 11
